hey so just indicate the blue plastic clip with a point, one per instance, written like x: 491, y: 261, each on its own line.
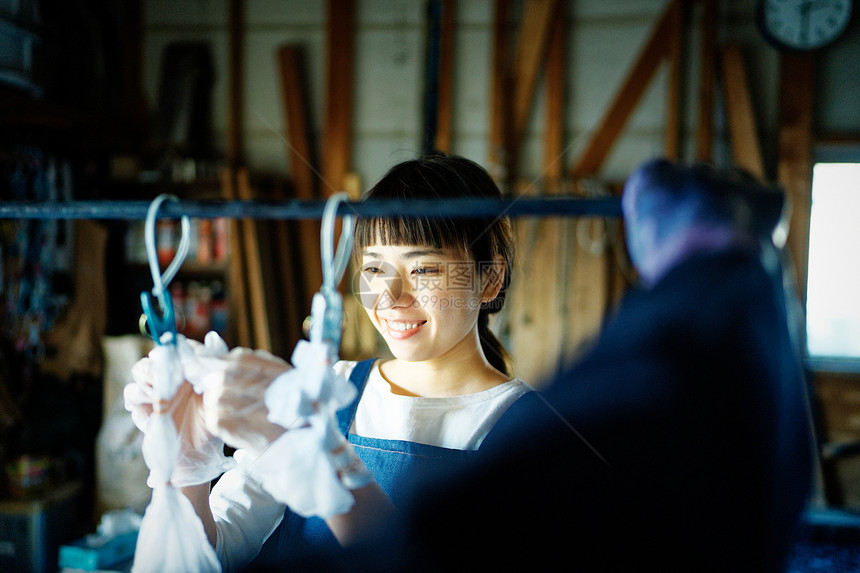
x: 158, y: 320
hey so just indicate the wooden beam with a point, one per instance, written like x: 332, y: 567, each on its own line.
x: 302, y: 170
x: 553, y: 163
x: 254, y: 268
x: 446, y: 78
x: 707, y: 73
x: 337, y: 126
x: 300, y: 154
x: 539, y: 324
x: 532, y: 42
x: 588, y: 286
x: 289, y: 287
x: 675, y: 89
x: 236, y: 287
x: 743, y: 133
x: 794, y: 154
x: 625, y: 101
x: 499, y: 129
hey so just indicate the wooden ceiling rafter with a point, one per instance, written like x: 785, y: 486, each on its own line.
x: 707, y: 60
x: 515, y: 79
x: 743, y: 134
x: 652, y: 54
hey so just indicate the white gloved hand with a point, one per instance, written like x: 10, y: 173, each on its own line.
x: 311, y: 467
x: 234, y: 402
x: 201, y: 455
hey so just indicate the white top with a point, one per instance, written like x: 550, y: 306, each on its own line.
x: 245, y: 514
x: 456, y: 422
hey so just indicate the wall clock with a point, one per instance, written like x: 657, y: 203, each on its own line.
x: 802, y: 24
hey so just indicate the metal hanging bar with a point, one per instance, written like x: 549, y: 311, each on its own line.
x: 555, y: 206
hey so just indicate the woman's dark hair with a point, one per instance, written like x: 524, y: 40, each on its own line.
x: 443, y: 176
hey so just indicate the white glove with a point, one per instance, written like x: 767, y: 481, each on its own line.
x: 201, y: 455
x: 233, y: 404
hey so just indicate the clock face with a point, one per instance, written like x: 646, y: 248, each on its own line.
x: 803, y: 24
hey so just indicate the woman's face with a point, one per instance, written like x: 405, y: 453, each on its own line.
x: 423, y: 300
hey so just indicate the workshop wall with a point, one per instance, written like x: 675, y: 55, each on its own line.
x: 603, y: 39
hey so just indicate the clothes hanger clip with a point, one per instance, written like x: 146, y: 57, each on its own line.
x: 159, y: 318
x: 327, y: 305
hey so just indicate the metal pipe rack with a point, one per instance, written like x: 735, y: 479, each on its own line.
x: 555, y: 206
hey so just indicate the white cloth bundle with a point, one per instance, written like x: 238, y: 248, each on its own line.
x: 312, y: 467
x: 171, y: 537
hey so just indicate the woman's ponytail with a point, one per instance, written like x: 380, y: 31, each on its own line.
x: 494, y: 351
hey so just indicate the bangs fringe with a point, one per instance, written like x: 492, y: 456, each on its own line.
x: 439, y: 232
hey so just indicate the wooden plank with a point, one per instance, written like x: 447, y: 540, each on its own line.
x: 707, y: 73
x: 794, y: 154
x: 301, y: 159
x: 625, y: 101
x: 552, y: 232
x: 746, y: 149
x: 446, y: 78
x: 237, y: 288
x: 300, y: 152
x: 337, y: 127
x: 254, y: 269
x: 291, y: 294
x: 553, y: 160
x: 497, y: 160
x: 588, y: 285
x: 433, y: 40
x: 532, y: 41
x: 535, y: 341
x: 539, y: 323
x: 676, y: 70
x: 581, y: 277
x: 337, y: 124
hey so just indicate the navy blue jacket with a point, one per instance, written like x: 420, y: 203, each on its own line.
x: 682, y: 441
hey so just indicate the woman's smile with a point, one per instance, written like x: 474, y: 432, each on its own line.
x: 401, y: 330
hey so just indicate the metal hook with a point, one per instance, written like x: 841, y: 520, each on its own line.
x: 161, y: 319
x: 334, y: 265
x: 327, y: 305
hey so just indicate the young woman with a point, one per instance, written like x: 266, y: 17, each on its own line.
x: 429, y: 286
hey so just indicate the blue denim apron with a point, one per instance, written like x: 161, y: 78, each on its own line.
x: 397, y: 466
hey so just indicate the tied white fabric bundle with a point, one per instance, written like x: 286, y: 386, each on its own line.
x: 201, y: 455
x: 311, y: 467
x: 171, y: 537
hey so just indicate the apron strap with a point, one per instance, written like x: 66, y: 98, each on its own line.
x: 359, y: 376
